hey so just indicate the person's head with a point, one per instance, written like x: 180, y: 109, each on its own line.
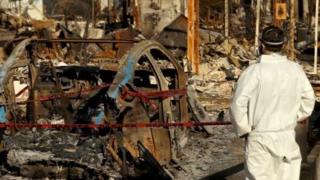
x: 272, y: 39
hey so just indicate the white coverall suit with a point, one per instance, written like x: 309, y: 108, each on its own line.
x: 270, y: 98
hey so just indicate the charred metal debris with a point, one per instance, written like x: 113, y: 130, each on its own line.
x: 88, y: 78
x: 73, y: 68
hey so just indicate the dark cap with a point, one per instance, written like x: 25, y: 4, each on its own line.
x: 272, y: 36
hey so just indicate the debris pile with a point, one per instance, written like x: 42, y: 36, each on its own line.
x: 53, y: 74
x: 222, y: 61
x: 68, y: 68
x: 56, y: 154
x: 99, y: 93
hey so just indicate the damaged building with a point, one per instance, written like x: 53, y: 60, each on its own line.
x: 138, y: 89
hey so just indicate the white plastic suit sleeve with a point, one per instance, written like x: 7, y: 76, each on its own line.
x: 307, y: 98
x: 246, y: 86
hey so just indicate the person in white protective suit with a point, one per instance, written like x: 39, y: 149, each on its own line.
x: 270, y: 98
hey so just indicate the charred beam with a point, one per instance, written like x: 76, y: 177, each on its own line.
x: 84, y: 41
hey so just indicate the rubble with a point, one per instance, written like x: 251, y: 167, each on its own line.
x: 27, y: 150
x: 36, y: 68
x: 54, y: 81
x: 205, y: 155
x: 67, y: 67
x: 174, y: 36
x: 221, y: 66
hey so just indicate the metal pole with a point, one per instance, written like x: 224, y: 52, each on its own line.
x: 292, y: 29
x: 193, y: 34
x: 124, y: 13
x: 226, y: 18
x: 93, y: 13
x: 20, y: 7
x: 256, y: 41
x: 316, y: 38
x: 276, y: 22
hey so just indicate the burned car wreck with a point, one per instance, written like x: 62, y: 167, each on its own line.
x: 42, y: 85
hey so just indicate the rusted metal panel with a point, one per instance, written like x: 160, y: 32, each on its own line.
x: 125, y: 76
x: 133, y: 135
x: 161, y: 138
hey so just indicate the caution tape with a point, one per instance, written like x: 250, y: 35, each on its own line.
x: 145, y: 96
x: 187, y: 124
x: 160, y: 94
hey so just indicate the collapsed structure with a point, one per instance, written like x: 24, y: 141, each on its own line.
x: 53, y: 76
x: 63, y: 67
